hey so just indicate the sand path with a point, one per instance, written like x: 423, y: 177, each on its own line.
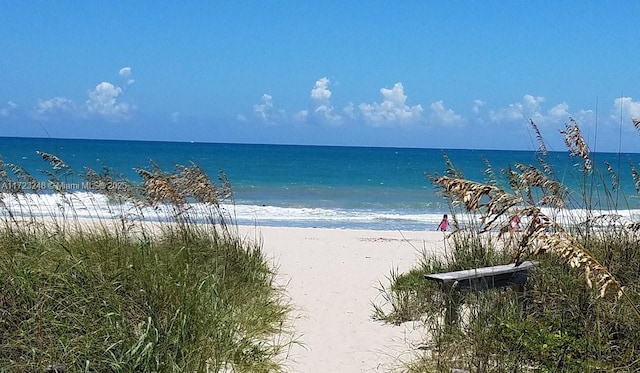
x: 332, y: 278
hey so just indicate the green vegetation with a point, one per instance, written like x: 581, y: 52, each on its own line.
x: 130, y: 295
x: 578, y: 312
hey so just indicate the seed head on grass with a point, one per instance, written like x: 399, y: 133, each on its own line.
x: 161, y: 188
x: 636, y: 123
x: 490, y: 200
x: 529, y: 177
x: 24, y: 178
x: 542, y: 148
x: 57, y: 164
x: 574, y: 141
x: 636, y: 177
x: 571, y: 251
x: 196, y: 183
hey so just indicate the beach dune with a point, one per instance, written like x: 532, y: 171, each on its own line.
x: 332, y: 277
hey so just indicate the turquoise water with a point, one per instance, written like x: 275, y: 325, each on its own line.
x: 338, y: 187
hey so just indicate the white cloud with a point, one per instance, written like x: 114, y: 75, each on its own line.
x: 392, y: 110
x: 301, y: 116
x: 7, y: 109
x: 321, y: 90
x: 477, y: 104
x: 559, y: 112
x: 626, y: 107
x: 264, y: 109
x: 350, y: 111
x: 327, y: 114
x: 528, y: 108
x: 125, y: 73
x: 103, y: 101
x: 324, y: 111
x: 267, y: 112
x: 440, y: 114
x: 54, y: 107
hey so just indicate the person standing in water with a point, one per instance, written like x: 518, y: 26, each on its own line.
x: 444, y: 224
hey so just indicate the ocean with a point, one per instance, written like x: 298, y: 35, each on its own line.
x: 321, y: 186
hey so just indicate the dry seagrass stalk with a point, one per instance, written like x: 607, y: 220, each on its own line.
x: 451, y: 170
x: 24, y: 178
x: 545, y: 167
x: 615, y: 179
x: 195, y: 182
x: 109, y: 186
x: 56, y: 163
x: 4, y: 175
x: 575, y: 143
x: 553, y: 192
x: 225, y: 191
x: 537, y: 223
x: 489, y: 174
x: 567, y: 248
x: 514, y: 180
x: 542, y: 148
x: 98, y: 183
x: 636, y: 177
x: 161, y: 188
x: 634, y: 227
x: 636, y: 123
x: 491, y: 201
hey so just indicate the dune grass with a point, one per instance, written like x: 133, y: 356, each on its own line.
x: 579, y: 311
x: 127, y: 294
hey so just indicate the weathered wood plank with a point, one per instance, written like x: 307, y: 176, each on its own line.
x: 481, y: 272
x: 478, y: 279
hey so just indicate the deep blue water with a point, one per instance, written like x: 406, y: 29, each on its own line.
x: 351, y: 187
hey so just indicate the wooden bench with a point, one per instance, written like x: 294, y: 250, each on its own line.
x: 479, y: 279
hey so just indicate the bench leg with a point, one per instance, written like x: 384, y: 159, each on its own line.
x: 452, y: 303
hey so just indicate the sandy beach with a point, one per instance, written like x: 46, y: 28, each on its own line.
x: 331, y: 277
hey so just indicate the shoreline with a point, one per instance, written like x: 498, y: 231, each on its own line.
x: 331, y: 277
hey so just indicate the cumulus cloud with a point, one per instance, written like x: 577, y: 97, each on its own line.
x: 328, y: 116
x: 125, y: 74
x: 476, y: 106
x: 266, y: 111
x: 6, y: 110
x: 350, y: 111
x: 559, y: 112
x: 441, y: 115
x: 392, y: 110
x: 55, y: 106
x: 626, y: 107
x: 103, y: 101
x: 301, y: 116
x: 324, y: 111
x: 264, y: 108
x: 529, y: 107
x: 321, y: 90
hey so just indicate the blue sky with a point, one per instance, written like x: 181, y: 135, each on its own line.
x: 436, y: 74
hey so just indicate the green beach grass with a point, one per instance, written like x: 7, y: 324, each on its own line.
x: 579, y: 310
x: 127, y: 295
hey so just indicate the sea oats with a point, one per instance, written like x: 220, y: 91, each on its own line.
x: 574, y: 141
x: 573, y: 253
x: 615, y: 179
x: 491, y: 201
x: 541, y: 146
x: 56, y: 163
x: 25, y: 178
x: 196, y: 183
